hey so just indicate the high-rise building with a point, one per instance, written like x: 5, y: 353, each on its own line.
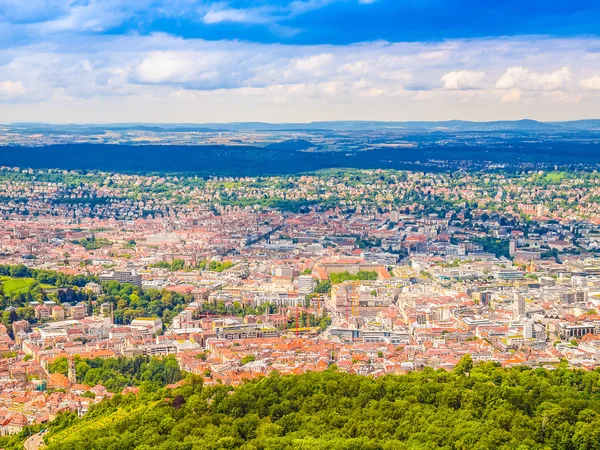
x: 306, y: 283
x: 519, y: 306
x: 485, y: 297
x: 567, y: 297
x: 512, y: 247
x: 527, y: 329
x: 581, y: 296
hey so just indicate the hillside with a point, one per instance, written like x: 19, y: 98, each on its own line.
x: 291, y: 157
x: 485, y: 407
x: 291, y: 144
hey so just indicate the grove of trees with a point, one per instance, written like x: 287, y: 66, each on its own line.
x: 473, y: 407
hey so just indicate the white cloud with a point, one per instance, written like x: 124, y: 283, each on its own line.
x: 591, y: 84
x: 93, y: 16
x: 177, y: 67
x: 313, y: 63
x: 267, y: 14
x: 222, y: 14
x: 250, y: 81
x: 512, y: 96
x: 462, y: 79
x: 523, y: 78
x: 10, y: 89
x: 207, y: 67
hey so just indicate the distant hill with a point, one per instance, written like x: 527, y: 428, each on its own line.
x: 291, y: 144
x: 289, y: 157
x: 450, y: 125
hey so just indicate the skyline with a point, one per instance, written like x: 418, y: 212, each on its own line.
x: 300, y: 61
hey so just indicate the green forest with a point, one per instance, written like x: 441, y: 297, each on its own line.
x: 115, y: 374
x: 470, y: 408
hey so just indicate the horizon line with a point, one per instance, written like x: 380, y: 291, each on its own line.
x: 302, y: 123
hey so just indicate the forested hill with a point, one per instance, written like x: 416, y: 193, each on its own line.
x: 485, y: 407
x: 290, y: 157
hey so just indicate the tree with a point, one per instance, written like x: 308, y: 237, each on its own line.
x: 465, y: 365
x: 323, y: 287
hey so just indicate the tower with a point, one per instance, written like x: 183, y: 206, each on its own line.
x: 519, y: 306
x: 71, y: 374
x: 528, y: 329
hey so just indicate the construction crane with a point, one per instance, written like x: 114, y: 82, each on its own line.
x: 352, y: 296
x: 346, y: 288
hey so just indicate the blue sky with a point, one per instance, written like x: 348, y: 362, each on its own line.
x: 300, y: 60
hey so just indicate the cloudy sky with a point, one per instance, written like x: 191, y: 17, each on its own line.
x: 298, y: 60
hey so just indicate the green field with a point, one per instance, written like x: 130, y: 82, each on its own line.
x: 555, y: 177
x: 16, y: 285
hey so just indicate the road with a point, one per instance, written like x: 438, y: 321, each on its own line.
x: 35, y: 442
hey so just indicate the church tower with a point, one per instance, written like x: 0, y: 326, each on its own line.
x: 72, y: 375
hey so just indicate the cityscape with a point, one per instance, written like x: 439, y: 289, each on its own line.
x: 373, y: 272
x: 299, y: 225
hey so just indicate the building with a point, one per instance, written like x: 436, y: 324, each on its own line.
x: 152, y: 325
x: 106, y: 310
x: 527, y: 329
x: 306, y: 283
x: 508, y: 274
x: 567, y: 297
x: 123, y: 276
x: 527, y: 255
x: 485, y: 297
x: 245, y: 331
x: 94, y: 288
x: 20, y: 326
x: 568, y: 331
x: 17, y: 423
x: 284, y: 272
x: 71, y: 374
x: 547, y: 281
x: 79, y: 311
x: 519, y: 306
x: 42, y: 312
x: 58, y: 313
x: 184, y: 322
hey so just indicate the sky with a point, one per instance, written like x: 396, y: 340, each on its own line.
x: 194, y: 61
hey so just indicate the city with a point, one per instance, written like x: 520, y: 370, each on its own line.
x: 299, y: 225
x: 409, y: 270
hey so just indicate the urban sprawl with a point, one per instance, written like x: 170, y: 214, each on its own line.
x: 362, y: 271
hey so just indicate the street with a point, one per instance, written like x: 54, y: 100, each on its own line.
x: 35, y: 442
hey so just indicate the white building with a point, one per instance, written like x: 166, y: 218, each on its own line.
x: 306, y: 283
x: 150, y: 324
